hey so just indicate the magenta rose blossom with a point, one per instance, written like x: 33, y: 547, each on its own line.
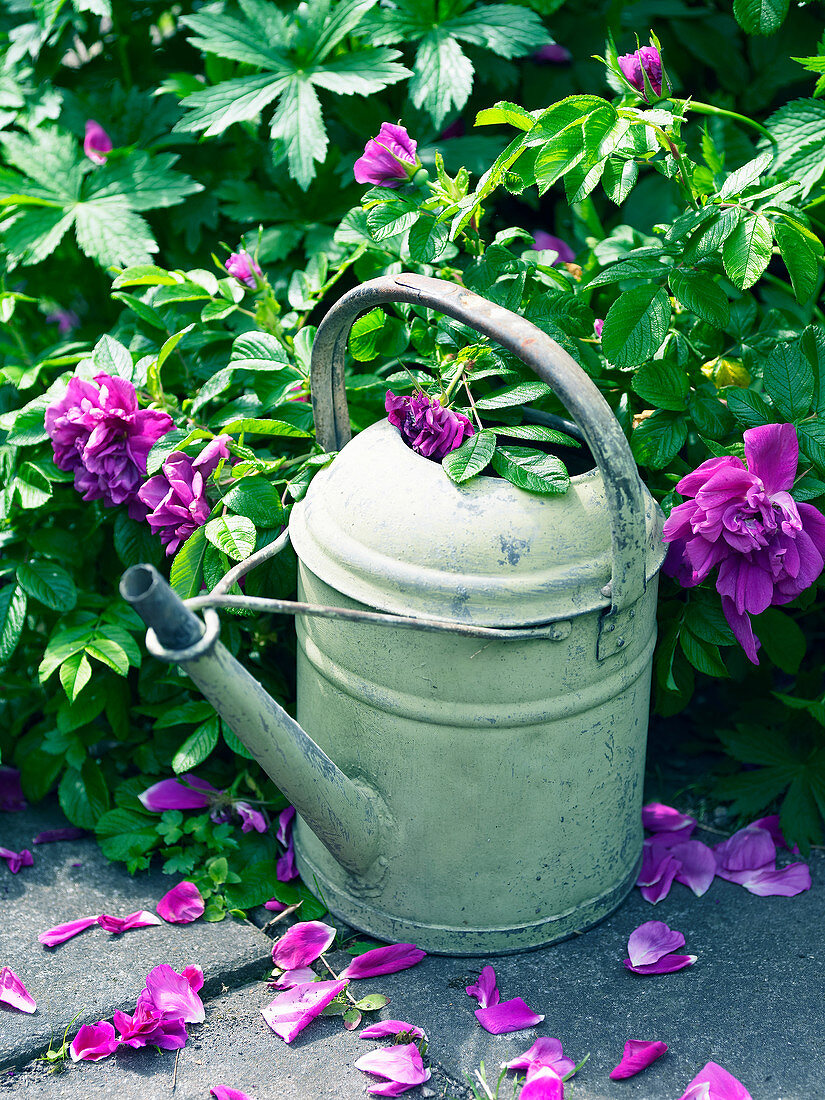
x: 243, y: 267
x: 176, y: 498
x: 97, y: 144
x: 425, y: 426
x: 543, y: 240
x: 647, y: 58
x: 65, y: 319
x: 389, y: 159
x: 99, y: 434
x: 769, y: 548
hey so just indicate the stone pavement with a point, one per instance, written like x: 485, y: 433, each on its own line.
x: 753, y: 1001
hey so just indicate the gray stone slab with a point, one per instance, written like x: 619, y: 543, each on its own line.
x: 96, y: 973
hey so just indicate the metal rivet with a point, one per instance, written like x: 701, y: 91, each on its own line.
x: 619, y: 643
x: 611, y: 626
x: 632, y: 613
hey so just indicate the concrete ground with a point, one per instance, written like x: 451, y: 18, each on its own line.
x: 753, y: 1001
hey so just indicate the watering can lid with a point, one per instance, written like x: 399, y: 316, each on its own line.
x: 386, y: 527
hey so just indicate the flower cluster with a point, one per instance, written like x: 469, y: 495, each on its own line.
x: 427, y: 427
x: 168, y: 1002
x: 742, y: 518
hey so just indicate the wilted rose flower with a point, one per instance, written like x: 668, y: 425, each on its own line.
x: 245, y: 268
x: 99, y: 433
x: 769, y: 548
x: 389, y: 159
x: 543, y: 240
x: 65, y: 319
x: 97, y: 144
x: 176, y: 498
x: 151, y: 1027
x: 431, y: 431
x: 647, y: 58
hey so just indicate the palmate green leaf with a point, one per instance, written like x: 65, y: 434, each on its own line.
x: 532, y: 470
x: 789, y: 380
x: 760, y: 16
x: 33, y: 233
x: 50, y: 584
x: 148, y: 182
x: 747, y: 251
x: 797, y: 128
x: 110, y: 232
x: 471, y: 457
x: 698, y: 292
x: 636, y: 325
x: 505, y: 29
x: 336, y: 24
x: 297, y: 122
x: 48, y: 157
x: 442, y: 76
x: 197, y: 746
x: 214, y: 110
x: 362, y: 72
x: 238, y: 39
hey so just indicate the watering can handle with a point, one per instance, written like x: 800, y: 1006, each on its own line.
x: 550, y: 362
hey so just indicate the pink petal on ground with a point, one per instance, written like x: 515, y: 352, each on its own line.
x: 542, y: 1084
x: 13, y: 993
x: 62, y: 932
x: 275, y: 906
x: 384, y: 960
x: 664, y: 819
x: 182, y: 904
x: 638, y: 1055
x: 193, y: 975
x: 747, y: 850
x: 391, y: 1027
x: 769, y: 823
x: 513, y: 1015
x: 713, y: 1082
x: 49, y: 836
x: 401, y: 1065
x: 16, y: 860
x: 93, y: 1042
x: 290, y: 1012
x: 544, y: 1052
x: 116, y: 925
x: 224, y: 1092
x: 668, y: 965
x: 651, y: 940
x: 667, y: 870
x: 785, y: 882
x: 291, y: 978
x: 172, y: 993
x: 485, y: 989
x: 302, y: 944
x: 698, y: 865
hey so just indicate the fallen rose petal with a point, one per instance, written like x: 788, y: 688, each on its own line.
x: 542, y: 1084
x: 747, y: 850
x: 697, y: 865
x: 116, y: 925
x: 667, y: 870
x: 651, y: 940
x: 149, y: 1026
x: 13, y: 993
x: 668, y: 965
x: 49, y: 836
x: 285, y: 819
x: 302, y: 944
x: 544, y: 1052
x: 638, y: 1055
x: 665, y: 819
x: 766, y: 882
x: 485, y: 989
x: 771, y: 825
x: 187, y: 792
x: 224, y: 1092
x: 250, y: 818
x: 193, y: 975
x: 11, y: 793
x: 384, y: 960
x: 16, y: 860
x: 401, y: 1065
x: 513, y: 1015
x: 290, y: 1012
x: 93, y: 1042
x: 182, y: 904
x: 713, y: 1082
x: 172, y: 993
x: 291, y: 978
x: 62, y: 932
x: 391, y: 1027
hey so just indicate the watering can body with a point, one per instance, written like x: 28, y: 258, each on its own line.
x: 476, y: 789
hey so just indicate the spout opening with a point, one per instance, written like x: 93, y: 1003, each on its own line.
x: 137, y: 582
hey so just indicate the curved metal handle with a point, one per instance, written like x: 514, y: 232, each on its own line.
x: 550, y: 362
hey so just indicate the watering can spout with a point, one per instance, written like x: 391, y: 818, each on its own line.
x: 342, y: 815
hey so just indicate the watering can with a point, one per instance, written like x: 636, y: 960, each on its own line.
x: 473, y: 667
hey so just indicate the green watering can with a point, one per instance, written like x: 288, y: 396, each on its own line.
x: 473, y: 667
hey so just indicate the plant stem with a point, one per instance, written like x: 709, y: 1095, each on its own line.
x: 332, y: 972
x: 709, y: 109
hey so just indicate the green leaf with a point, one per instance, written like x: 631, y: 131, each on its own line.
x: 362, y: 72
x: 165, y: 446
x: 197, y: 746
x: 289, y: 894
x: 712, y: 233
x: 789, y: 380
x: 268, y: 427
x: 372, y: 1002
x: 255, y: 498
x: 744, y: 177
x: 442, y: 76
x: 146, y: 181
x: 146, y: 275
x: 662, y: 384
x: 701, y: 294
x: 509, y: 396
x: 760, y: 16
x: 109, y: 653
x: 12, y: 619
x: 559, y: 155
x: 658, y: 439
x: 747, y: 251
x: 471, y: 457
x: 619, y: 178
x: 111, y: 357
x: 297, y: 123
x: 427, y: 240
x: 389, y: 218
x: 170, y: 345
x: 186, y: 574
x: 126, y: 834
x: 83, y: 795
x: 134, y: 542
x: 508, y: 114
x: 704, y: 656
x: 75, y: 673
x: 636, y: 325
x: 532, y: 470
x: 259, y: 883
x: 706, y: 620
x: 783, y: 641
x: 50, y: 584
x: 375, y: 334
x: 537, y: 432
x: 144, y: 311
x: 749, y: 407
x: 799, y: 256
x: 32, y: 234
x: 234, y: 535
x: 235, y: 744
x: 797, y: 129
x: 110, y: 232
